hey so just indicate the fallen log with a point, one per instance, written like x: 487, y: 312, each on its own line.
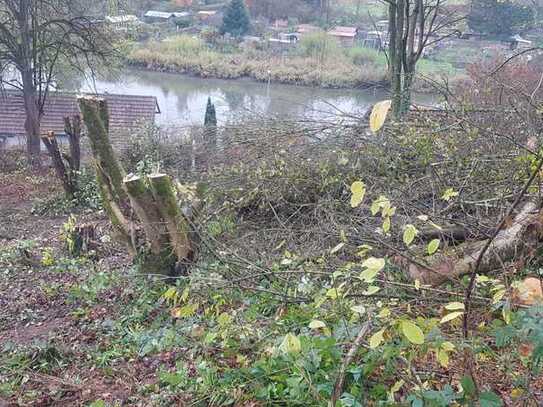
x: 517, y: 242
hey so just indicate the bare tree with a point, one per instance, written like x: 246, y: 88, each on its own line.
x: 414, y: 25
x: 36, y: 38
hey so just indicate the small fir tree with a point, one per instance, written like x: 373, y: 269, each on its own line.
x: 210, y: 123
x: 236, y: 19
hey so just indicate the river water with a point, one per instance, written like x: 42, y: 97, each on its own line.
x: 182, y: 99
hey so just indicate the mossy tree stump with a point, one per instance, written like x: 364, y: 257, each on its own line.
x: 143, y: 209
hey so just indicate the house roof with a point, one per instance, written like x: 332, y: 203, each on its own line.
x: 159, y: 14
x: 181, y: 14
x: 126, y: 18
x: 340, y: 31
x: 126, y: 111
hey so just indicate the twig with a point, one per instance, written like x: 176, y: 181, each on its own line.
x: 338, y: 388
x: 471, y: 285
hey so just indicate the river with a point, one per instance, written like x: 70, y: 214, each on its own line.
x: 182, y: 99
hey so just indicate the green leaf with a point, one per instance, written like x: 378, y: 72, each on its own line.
x: 409, y: 234
x: 468, y: 385
x: 372, y: 289
x: 490, y: 399
x: 412, y: 332
x: 291, y: 344
x: 433, y: 246
x: 376, y: 339
x: 455, y: 306
x: 451, y: 316
x: 316, y: 324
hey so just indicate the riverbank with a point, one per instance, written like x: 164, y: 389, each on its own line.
x: 343, y: 68
x: 294, y: 71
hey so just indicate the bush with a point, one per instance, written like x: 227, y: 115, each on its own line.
x: 364, y: 56
x: 319, y: 45
x: 181, y: 45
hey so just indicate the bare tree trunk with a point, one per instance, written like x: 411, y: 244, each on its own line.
x: 32, y: 122
x: 66, y: 166
x: 63, y: 172
x: 109, y: 173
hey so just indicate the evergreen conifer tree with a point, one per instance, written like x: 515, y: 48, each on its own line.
x: 211, y: 116
x: 236, y: 19
x: 210, y: 123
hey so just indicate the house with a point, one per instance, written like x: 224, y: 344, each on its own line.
x: 345, y: 35
x: 280, y: 24
x: 375, y: 39
x: 127, y: 112
x: 122, y: 22
x: 152, y: 16
x: 210, y: 17
x: 206, y: 14
x: 516, y: 42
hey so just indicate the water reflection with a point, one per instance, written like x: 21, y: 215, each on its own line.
x: 182, y: 99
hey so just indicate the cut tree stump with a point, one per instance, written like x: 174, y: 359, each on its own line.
x: 144, y: 210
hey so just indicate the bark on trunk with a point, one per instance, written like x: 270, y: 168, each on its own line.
x: 166, y: 247
x: 515, y: 243
x: 32, y: 122
x: 63, y: 172
x: 109, y: 173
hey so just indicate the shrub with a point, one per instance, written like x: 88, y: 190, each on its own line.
x: 319, y: 45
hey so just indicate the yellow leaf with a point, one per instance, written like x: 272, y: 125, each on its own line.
x: 384, y: 313
x: 409, y: 234
x: 451, y: 316
x: 386, y: 225
x: 359, y: 309
x: 376, y: 339
x: 498, y: 295
x: 443, y: 357
x: 379, y: 115
x: 358, y: 190
x: 412, y: 332
x: 184, y: 312
x: 316, y: 324
x: 448, y: 346
x: 291, y: 344
x: 333, y: 293
x: 397, y: 386
x: 454, y: 306
x: 448, y: 194
x: 374, y: 263
x: 433, y: 246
